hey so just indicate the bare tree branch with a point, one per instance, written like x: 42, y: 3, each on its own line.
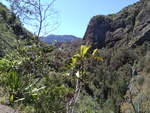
x: 36, y: 14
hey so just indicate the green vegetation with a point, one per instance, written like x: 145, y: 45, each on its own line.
x: 39, y: 78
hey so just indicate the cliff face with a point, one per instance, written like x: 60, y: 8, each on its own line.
x: 129, y: 27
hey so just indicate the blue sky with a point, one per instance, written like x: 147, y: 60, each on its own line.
x: 76, y: 14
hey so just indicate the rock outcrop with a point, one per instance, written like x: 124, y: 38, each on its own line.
x: 129, y: 27
x: 6, y: 109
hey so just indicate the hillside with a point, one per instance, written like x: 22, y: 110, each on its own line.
x: 59, y: 38
x: 129, y: 27
x: 70, y: 77
x: 11, y: 31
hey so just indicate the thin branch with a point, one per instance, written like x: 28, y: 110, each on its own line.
x: 131, y: 99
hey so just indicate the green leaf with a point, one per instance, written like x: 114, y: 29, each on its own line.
x: 74, y: 60
x: 99, y: 58
x: 95, y: 50
x: 83, y: 50
x: 77, y: 56
x: 11, y: 99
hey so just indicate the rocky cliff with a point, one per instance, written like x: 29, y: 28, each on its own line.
x: 129, y: 27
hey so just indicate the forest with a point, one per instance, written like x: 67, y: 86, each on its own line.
x: 71, y: 77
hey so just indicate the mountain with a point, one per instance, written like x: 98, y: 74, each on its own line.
x: 34, y: 74
x: 129, y: 27
x: 59, y: 38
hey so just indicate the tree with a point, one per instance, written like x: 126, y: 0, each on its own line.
x: 137, y: 96
x: 79, y: 73
x: 38, y: 16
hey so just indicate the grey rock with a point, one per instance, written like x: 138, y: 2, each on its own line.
x: 129, y: 27
x: 6, y: 109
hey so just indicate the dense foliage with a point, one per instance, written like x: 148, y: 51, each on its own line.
x: 39, y: 78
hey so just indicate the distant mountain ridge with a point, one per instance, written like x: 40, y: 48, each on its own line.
x: 59, y: 38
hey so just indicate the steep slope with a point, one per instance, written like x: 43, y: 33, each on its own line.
x: 11, y: 30
x: 129, y: 27
x: 59, y: 38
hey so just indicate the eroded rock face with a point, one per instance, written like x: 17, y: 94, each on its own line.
x: 129, y: 27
